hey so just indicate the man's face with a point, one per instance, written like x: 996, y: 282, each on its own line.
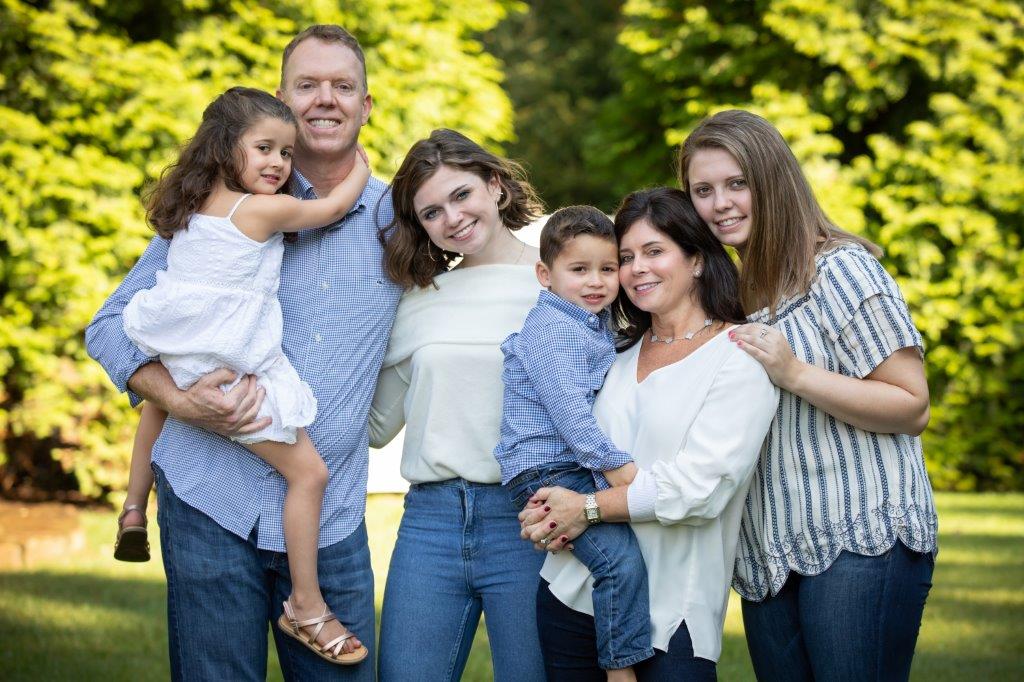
x: 323, y: 86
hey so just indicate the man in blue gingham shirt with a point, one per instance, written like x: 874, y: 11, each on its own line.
x: 220, y: 506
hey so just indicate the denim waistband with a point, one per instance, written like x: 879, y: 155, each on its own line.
x: 452, y: 483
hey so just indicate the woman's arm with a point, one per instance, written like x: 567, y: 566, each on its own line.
x: 262, y: 215
x: 387, y: 412
x: 893, y: 398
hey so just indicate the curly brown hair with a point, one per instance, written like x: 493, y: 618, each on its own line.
x: 212, y: 153
x: 410, y: 258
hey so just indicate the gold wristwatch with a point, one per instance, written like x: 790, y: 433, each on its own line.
x: 591, y: 511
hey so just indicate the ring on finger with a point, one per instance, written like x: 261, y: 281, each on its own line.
x: 764, y: 333
x: 545, y: 541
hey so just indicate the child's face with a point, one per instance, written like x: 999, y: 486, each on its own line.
x: 267, y: 155
x: 721, y: 195
x: 586, y: 272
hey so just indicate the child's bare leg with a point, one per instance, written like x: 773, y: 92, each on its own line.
x: 140, y: 476
x: 306, y: 474
x: 621, y: 675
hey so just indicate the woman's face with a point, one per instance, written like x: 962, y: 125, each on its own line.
x: 721, y: 195
x: 656, y: 274
x: 458, y: 210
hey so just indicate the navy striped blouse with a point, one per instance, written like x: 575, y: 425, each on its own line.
x: 823, y: 486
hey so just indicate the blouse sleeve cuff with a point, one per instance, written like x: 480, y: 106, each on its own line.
x: 641, y: 497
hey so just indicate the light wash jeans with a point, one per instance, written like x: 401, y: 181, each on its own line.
x: 458, y: 554
x: 622, y: 612
x: 222, y: 592
x: 857, y: 621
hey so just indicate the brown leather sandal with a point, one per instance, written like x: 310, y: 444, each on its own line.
x: 330, y: 651
x: 132, y: 541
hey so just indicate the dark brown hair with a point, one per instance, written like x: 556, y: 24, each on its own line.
x: 788, y: 227
x: 670, y: 212
x: 568, y: 223
x: 410, y: 258
x: 212, y: 153
x: 326, y: 33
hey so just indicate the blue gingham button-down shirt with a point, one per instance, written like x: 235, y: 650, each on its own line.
x: 338, y: 308
x: 554, y: 368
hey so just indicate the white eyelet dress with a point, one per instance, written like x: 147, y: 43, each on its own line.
x: 216, y: 306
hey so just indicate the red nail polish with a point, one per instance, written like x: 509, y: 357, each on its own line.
x: 564, y: 539
x: 547, y: 508
x: 553, y: 524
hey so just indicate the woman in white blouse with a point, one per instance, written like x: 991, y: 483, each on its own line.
x: 838, y: 538
x: 458, y: 552
x: 693, y: 409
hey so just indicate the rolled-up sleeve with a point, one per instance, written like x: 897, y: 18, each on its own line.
x: 105, y: 338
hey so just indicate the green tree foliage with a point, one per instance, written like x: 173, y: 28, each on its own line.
x: 557, y: 68
x: 94, y: 99
x: 909, y: 120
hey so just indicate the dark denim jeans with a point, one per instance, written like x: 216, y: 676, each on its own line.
x: 458, y: 555
x: 222, y: 592
x: 858, y: 620
x: 611, y: 552
x: 570, y: 649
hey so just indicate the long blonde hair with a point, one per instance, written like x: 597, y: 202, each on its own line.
x: 788, y: 227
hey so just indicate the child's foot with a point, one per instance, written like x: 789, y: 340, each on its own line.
x: 132, y: 537
x: 319, y: 629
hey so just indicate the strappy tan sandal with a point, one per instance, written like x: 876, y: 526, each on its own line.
x: 330, y: 651
x: 132, y: 541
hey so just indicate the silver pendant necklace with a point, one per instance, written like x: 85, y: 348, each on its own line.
x: 688, y: 335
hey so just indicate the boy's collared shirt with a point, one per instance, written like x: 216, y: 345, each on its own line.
x: 338, y: 308
x: 554, y: 368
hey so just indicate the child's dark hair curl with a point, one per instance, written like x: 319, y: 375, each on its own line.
x: 213, y: 152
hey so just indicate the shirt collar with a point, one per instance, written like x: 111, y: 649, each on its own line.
x: 582, y: 315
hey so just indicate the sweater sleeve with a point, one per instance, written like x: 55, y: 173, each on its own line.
x: 720, y: 451
x: 387, y: 411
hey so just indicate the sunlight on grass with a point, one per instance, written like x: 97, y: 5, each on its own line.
x: 89, y: 617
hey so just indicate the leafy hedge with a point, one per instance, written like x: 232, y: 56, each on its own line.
x: 94, y: 98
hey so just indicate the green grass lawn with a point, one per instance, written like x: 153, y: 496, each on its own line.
x: 88, y: 617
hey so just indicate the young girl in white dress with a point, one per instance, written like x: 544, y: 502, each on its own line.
x: 216, y: 307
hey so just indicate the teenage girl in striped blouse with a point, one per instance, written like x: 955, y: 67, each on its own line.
x: 837, y: 543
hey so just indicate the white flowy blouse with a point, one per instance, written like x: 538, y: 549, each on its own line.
x: 695, y: 429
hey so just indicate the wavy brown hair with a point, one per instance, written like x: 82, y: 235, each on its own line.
x: 788, y: 227
x: 410, y: 258
x: 212, y: 153
x: 670, y: 211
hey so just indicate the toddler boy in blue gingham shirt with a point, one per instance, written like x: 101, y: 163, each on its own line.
x: 553, y: 369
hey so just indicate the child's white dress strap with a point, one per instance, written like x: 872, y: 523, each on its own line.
x: 237, y: 204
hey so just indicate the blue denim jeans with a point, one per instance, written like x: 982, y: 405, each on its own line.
x: 458, y: 554
x: 570, y: 649
x: 222, y: 591
x: 621, y: 606
x: 857, y: 620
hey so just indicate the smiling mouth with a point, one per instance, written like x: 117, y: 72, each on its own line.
x: 644, y: 288
x: 463, y: 233
x: 324, y: 123
x: 727, y: 222
x: 272, y: 179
